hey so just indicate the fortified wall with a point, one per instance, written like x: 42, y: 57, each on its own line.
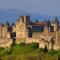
x: 46, y: 33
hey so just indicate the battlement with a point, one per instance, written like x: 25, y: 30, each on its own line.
x: 44, y: 32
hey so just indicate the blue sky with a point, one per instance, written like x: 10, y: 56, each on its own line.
x: 43, y: 7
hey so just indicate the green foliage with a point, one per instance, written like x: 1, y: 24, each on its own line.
x: 52, y: 53
x: 21, y: 43
x: 24, y: 49
x: 13, y: 44
x: 28, y: 52
x: 7, y: 23
x: 1, y: 48
x: 34, y: 45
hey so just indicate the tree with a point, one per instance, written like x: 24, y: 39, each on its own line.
x: 36, y: 20
x: 48, y: 23
x: 7, y: 23
x: 56, y: 20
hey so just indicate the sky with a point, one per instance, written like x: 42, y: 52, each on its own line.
x: 42, y: 7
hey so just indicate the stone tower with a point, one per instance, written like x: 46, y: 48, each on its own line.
x: 21, y: 27
x: 46, y: 32
x: 4, y: 31
x: 56, y: 25
x: 56, y: 31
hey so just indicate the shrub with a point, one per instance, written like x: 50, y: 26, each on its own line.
x: 13, y: 44
x: 34, y: 45
x: 52, y: 53
x: 1, y: 48
x: 21, y: 44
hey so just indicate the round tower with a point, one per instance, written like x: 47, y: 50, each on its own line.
x: 56, y: 24
x: 56, y: 31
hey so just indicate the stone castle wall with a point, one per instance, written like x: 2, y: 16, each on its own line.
x: 5, y: 42
x: 21, y: 30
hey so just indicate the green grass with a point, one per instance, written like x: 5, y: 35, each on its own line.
x: 28, y: 52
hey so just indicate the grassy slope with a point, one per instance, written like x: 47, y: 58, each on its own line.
x: 27, y: 52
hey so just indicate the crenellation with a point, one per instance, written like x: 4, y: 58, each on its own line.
x: 24, y: 30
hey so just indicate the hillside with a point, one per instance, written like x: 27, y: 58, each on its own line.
x: 28, y: 52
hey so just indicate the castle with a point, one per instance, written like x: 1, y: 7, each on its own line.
x: 46, y: 33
